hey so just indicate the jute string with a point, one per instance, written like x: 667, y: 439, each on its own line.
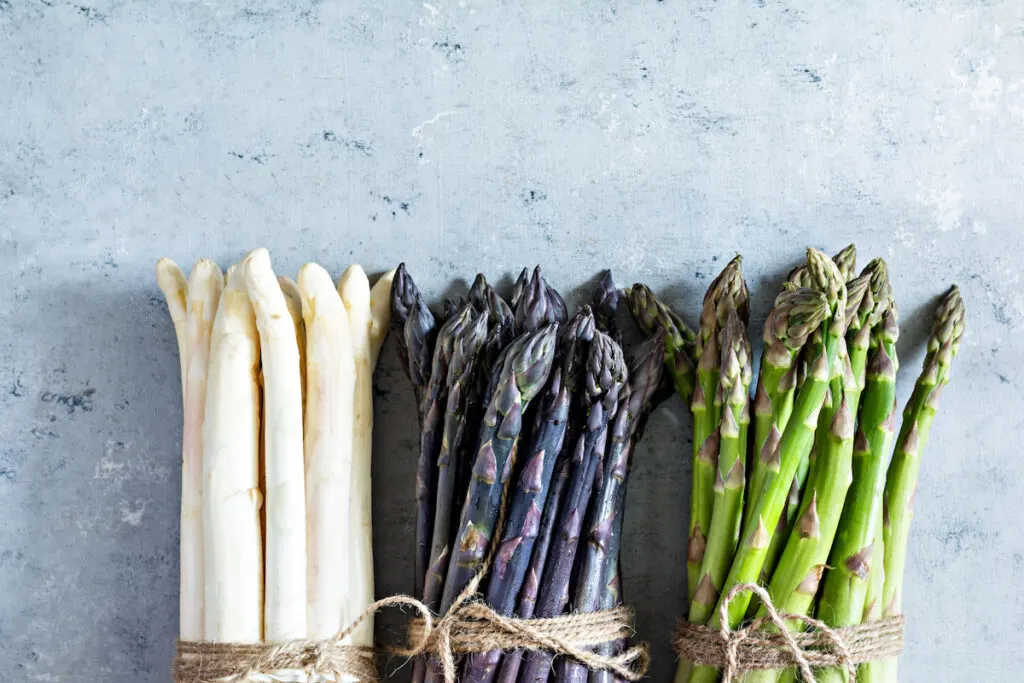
x: 468, y: 626
x: 750, y: 648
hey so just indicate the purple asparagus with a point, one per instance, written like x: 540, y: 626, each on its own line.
x: 414, y: 329
x: 605, y: 302
x: 526, y: 368
x: 606, y: 375
x: 528, y: 498
x: 645, y: 378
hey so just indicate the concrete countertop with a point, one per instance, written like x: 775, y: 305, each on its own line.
x: 656, y: 139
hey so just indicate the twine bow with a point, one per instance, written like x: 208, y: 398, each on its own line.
x: 751, y: 648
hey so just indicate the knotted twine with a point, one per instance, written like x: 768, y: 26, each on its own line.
x: 468, y: 626
x: 752, y: 649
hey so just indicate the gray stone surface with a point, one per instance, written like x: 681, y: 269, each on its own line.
x: 657, y: 139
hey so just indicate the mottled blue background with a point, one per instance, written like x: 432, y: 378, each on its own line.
x: 657, y: 139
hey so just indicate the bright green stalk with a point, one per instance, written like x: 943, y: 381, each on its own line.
x: 729, y: 483
x: 901, y: 479
x: 793, y: 447
x: 795, y: 581
x: 727, y: 292
x: 797, y: 313
x: 846, y: 585
x: 872, y: 672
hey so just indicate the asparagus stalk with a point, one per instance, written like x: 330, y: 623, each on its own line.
x: 380, y: 313
x: 873, y: 672
x: 680, y: 341
x: 172, y: 283
x: 510, y: 664
x: 797, y: 313
x: 204, y: 288
x: 294, y: 301
x: 435, y: 400
x: 606, y: 375
x: 232, y: 543
x: 645, y: 377
x: 519, y: 287
x: 328, y: 434
x: 354, y: 290
x: 415, y: 330
x: 727, y: 291
x: 605, y: 302
x: 459, y: 376
x: 846, y: 584
x: 846, y: 261
x: 730, y: 481
x: 794, y: 446
x: 538, y: 305
x: 284, y: 614
x: 525, y: 370
x: 901, y: 478
x: 795, y: 581
x: 528, y: 498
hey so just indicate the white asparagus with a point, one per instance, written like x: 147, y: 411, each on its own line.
x: 294, y: 301
x: 284, y: 615
x: 172, y: 283
x: 330, y: 393
x: 354, y: 289
x: 205, y: 283
x: 380, y: 313
x: 232, y: 544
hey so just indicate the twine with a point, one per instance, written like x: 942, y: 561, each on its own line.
x: 468, y: 626
x: 752, y: 649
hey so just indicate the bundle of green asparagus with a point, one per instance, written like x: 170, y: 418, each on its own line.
x: 276, y: 382
x: 807, y: 502
x: 530, y: 418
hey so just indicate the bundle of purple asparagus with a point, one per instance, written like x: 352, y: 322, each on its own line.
x: 528, y: 424
x: 803, y: 503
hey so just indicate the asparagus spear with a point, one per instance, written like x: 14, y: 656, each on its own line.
x: 795, y: 581
x: 459, y: 376
x: 523, y: 521
x: 606, y: 375
x: 205, y: 283
x: 435, y: 399
x: 797, y: 313
x: 727, y: 291
x: 415, y: 330
x: 172, y: 283
x: 526, y: 368
x: 645, y: 377
x: 284, y: 615
x: 730, y: 481
x: 794, y: 446
x: 576, y: 341
x: 605, y: 302
x: 846, y: 261
x: 519, y: 287
x: 539, y: 305
x: 846, y: 584
x: 528, y: 498
x: 873, y: 672
x: 680, y: 341
x: 901, y: 478
x: 232, y: 542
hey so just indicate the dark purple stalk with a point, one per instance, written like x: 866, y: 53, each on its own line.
x: 605, y: 302
x: 539, y: 304
x: 460, y: 374
x: 435, y: 398
x: 519, y: 287
x: 414, y: 329
x: 601, y: 551
x: 606, y: 374
x: 526, y: 368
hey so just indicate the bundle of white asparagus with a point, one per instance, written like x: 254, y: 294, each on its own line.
x: 276, y: 447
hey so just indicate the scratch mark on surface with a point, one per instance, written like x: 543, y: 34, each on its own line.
x: 417, y: 132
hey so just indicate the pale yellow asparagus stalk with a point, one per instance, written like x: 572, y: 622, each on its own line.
x: 172, y: 283
x: 205, y: 284
x: 380, y: 313
x: 330, y: 394
x: 284, y: 614
x: 354, y: 289
x: 294, y: 301
x: 232, y: 544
